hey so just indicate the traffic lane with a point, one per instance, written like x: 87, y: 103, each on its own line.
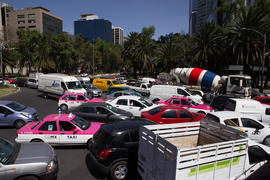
x: 71, y: 159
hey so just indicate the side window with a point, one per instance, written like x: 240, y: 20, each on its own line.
x: 250, y: 123
x: 175, y: 101
x: 65, y: 97
x: 135, y: 103
x: 63, y: 86
x: 4, y: 110
x: 185, y: 102
x: 101, y: 110
x: 267, y: 111
x: 122, y: 102
x: 266, y: 100
x: 109, y: 83
x: 232, y: 122
x: 184, y: 114
x: 117, y: 94
x: 66, y: 126
x: 144, y: 86
x: 182, y: 92
x: 169, y: 114
x: 48, y: 126
x: 71, y: 97
x: 80, y: 98
x: 256, y: 154
x: 87, y: 110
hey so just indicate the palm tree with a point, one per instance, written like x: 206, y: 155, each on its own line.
x: 208, y: 46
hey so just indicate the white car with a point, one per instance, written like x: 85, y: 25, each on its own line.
x: 132, y: 104
x: 256, y: 130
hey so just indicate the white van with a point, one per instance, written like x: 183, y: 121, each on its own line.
x: 32, y: 82
x: 58, y: 84
x: 248, y: 107
x: 84, y: 80
x: 158, y: 92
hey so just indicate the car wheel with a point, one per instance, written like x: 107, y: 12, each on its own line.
x: 28, y: 178
x: 19, y: 123
x: 119, y: 170
x: 89, y: 143
x: 266, y: 141
x: 155, y: 100
x: 63, y: 107
x: 36, y: 140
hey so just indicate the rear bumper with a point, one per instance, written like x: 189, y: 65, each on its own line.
x: 100, y: 167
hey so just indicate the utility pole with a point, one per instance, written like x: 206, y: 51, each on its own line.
x: 1, y: 48
x: 93, y: 60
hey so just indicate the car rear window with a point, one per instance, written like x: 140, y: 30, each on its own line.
x: 101, y: 136
x: 154, y: 111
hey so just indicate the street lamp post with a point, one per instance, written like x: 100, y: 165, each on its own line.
x: 2, y: 71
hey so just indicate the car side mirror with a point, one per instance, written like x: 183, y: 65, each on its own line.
x: 75, y: 131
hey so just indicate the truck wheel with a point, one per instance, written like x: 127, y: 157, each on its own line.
x: 119, y: 170
x: 36, y: 140
x: 266, y: 141
x: 28, y: 178
x: 155, y: 100
x: 63, y: 107
x: 19, y: 123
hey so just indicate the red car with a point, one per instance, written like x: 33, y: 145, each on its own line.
x: 263, y: 99
x: 171, y: 114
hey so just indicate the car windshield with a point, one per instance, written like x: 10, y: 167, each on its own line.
x: 247, y: 82
x: 6, y: 150
x: 110, y: 107
x: 81, y: 123
x: 16, y: 106
x: 147, y: 102
x: 116, y: 82
x: 193, y: 102
x: 74, y: 85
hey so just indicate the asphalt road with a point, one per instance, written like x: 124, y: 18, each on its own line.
x: 73, y: 161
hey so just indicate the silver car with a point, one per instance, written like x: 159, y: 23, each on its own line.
x: 27, y: 161
x: 92, y: 90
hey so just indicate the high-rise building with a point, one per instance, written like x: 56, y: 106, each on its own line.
x: 117, y: 35
x: 4, y: 13
x: 193, y: 7
x: 202, y: 11
x: 91, y: 28
x: 37, y: 18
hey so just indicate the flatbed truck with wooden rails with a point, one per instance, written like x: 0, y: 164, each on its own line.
x: 197, y: 151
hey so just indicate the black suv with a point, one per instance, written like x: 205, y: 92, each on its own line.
x: 218, y: 102
x: 114, y: 147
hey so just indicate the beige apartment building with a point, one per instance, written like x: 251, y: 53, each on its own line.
x: 37, y: 18
x: 117, y: 35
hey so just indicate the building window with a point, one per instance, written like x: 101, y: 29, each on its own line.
x: 20, y: 16
x: 32, y: 21
x: 21, y: 22
x: 32, y: 26
x: 22, y: 27
x: 31, y: 15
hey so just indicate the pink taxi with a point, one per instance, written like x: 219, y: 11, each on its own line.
x: 188, y: 104
x: 58, y: 129
x: 71, y: 100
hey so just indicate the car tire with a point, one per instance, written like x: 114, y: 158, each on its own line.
x: 88, y: 143
x: 36, y: 140
x: 63, y: 107
x: 19, y: 123
x: 27, y: 178
x: 119, y: 170
x: 266, y: 141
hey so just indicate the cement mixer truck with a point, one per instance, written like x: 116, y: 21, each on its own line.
x: 210, y: 82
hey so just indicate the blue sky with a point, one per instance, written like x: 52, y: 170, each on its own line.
x: 132, y: 15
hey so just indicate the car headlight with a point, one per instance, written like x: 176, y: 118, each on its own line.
x: 50, y: 166
x: 27, y: 115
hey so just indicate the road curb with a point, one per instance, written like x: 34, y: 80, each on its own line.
x: 15, y: 92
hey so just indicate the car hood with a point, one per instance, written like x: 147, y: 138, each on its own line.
x: 162, y: 101
x: 96, y: 100
x: 30, y: 110
x: 34, y: 153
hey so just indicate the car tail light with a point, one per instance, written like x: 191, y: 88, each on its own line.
x: 104, y: 153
